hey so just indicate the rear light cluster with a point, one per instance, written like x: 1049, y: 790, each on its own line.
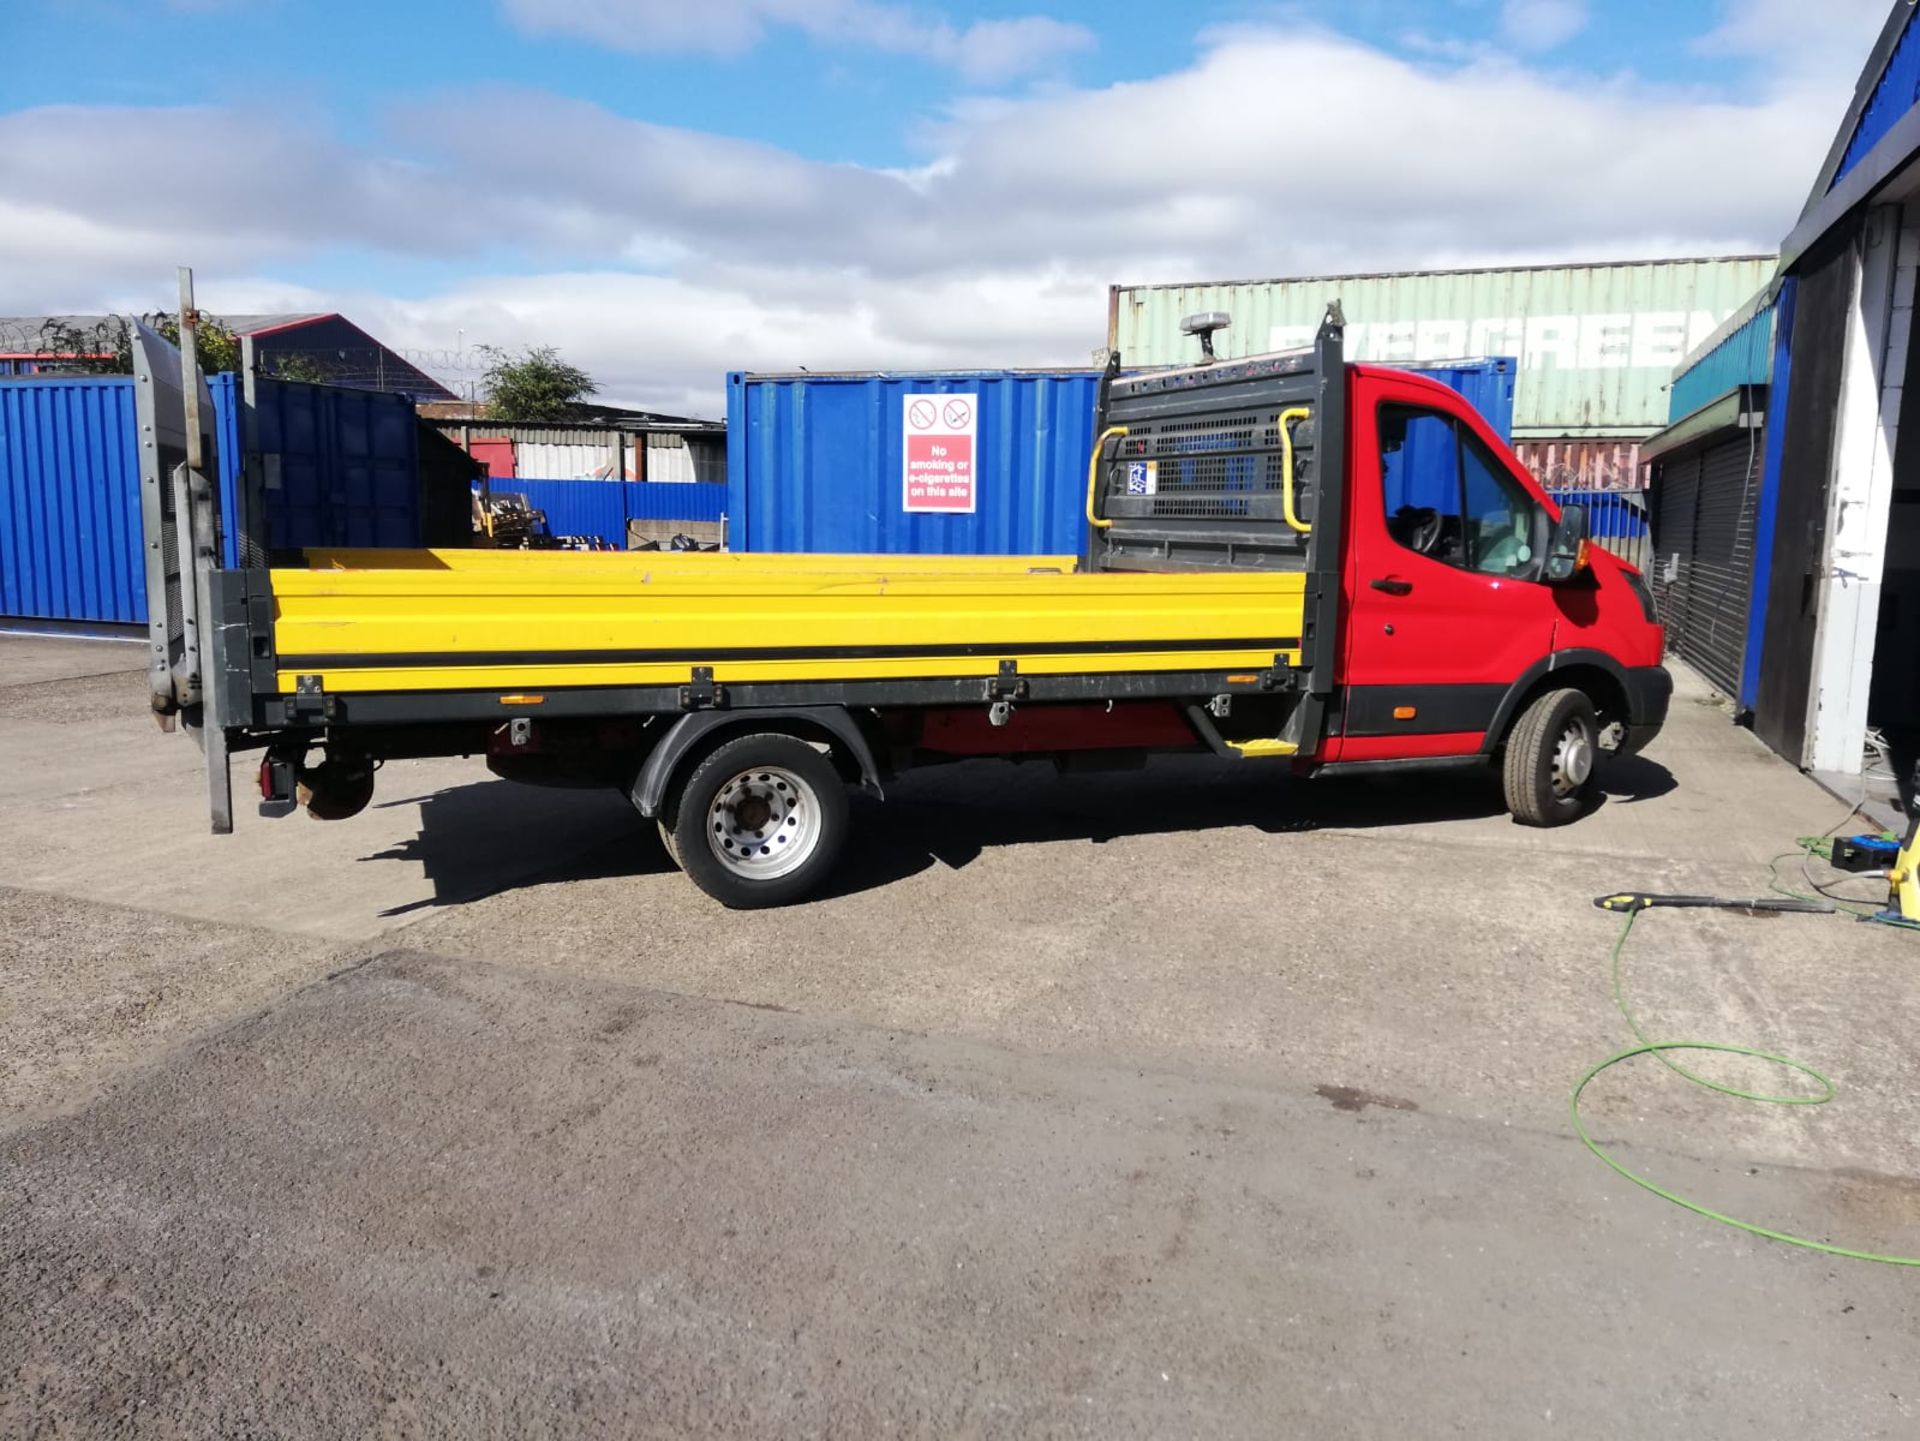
x: 277, y: 780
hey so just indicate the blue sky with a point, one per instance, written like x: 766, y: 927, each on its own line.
x: 341, y: 61
x: 668, y: 190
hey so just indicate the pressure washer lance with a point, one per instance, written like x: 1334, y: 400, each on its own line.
x: 1632, y: 903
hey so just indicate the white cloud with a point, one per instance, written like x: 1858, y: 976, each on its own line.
x: 1791, y: 29
x: 661, y: 257
x: 1543, y: 24
x: 985, y: 52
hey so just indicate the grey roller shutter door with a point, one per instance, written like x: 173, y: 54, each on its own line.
x: 1722, y: 580
x: 1703, y: 564
x: 1678, y: 496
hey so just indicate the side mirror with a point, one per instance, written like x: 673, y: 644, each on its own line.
x: 1567, y: 552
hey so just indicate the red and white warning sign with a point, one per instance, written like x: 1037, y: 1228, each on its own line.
x: 940, y: 432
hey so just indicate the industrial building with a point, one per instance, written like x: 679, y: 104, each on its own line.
x: 1596, y: 344
x: 1786, y: 497
x: 316, y: 346
x: 638, y: 446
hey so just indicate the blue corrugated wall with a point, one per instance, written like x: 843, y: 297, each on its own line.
x: 346, y: 475
x: 70, y: 501
x: 1743, y: 358
x: 1896, y: 94
x: 814, y: 462
x: 603, y: 507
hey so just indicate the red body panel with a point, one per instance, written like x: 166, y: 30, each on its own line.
x: 1409, y: 748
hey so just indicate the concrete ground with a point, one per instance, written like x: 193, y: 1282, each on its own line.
x: 1197, y: 1101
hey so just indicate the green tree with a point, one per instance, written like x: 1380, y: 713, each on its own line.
x: 106, y: 346
x: 297, y: 365
x: 534, y: 384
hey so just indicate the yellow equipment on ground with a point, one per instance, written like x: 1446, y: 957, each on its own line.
x: 1903, y: 880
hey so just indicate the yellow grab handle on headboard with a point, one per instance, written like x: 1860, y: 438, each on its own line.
x: 1287, y: 418
x: 1112, y: 432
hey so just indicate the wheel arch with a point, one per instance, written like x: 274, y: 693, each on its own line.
x: 1595, y: 672
x: 693, y: 736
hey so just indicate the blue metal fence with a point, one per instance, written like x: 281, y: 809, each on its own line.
x: 342, y: 471
x: 70, y: 501
x: 602, y: 508
x: 1616, y: 521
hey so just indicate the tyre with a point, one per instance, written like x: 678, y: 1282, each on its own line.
x: 1552, y: 759
x: 761, y: 821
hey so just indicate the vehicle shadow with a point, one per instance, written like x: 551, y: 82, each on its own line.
x: 491, y: 836
x: 951, y: 815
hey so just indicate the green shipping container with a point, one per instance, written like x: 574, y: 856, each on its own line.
x: 1597, y: 344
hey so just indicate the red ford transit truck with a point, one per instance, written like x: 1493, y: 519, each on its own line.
x: 1289, y: 560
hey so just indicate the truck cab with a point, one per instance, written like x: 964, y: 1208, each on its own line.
x: 1447, y: 598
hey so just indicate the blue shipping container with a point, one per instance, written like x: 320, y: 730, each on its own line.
x: 70, y: 501
x: 815, y: 462
x: 1486, y: 385
x: 341, y: 470
x: 603, y: 507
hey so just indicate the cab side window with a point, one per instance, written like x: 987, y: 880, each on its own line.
x: 1420, y: 469
x: 1448, y: 497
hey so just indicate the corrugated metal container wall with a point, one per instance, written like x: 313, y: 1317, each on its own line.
x: 814, y: 463
x: 343, y: 466
x: 1583, y: 464
x: 342, y: 469
x: 1743, y: 358
x: 603, y: 508
x: 1487, y: 385
x: 1597, y: 343
x: 70, y: 502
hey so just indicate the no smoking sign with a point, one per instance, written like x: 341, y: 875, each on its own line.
x: 937, y: 459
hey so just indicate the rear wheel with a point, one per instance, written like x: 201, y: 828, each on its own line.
x: 1551, y: 767
x: 760, y: 821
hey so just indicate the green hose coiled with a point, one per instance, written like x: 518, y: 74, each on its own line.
x: 1660, y: 1050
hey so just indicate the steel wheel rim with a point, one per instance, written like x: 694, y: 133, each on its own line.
x: 1573, y: 757
x: 763, y: 823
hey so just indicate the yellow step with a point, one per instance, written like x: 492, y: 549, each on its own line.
x: 1262, y: 750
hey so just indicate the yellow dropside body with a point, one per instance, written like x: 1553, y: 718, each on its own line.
x: 520, y: 621
x: 689, y: 562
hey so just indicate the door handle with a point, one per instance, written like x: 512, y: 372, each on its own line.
x: 1393, y: 586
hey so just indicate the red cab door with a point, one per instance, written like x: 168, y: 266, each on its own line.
x: 1445, y: 607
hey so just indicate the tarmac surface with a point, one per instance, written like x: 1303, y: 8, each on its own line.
x: 1191, y: 1102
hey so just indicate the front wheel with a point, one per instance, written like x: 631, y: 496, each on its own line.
x: 1553, y: 753
x: 760, y: 822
